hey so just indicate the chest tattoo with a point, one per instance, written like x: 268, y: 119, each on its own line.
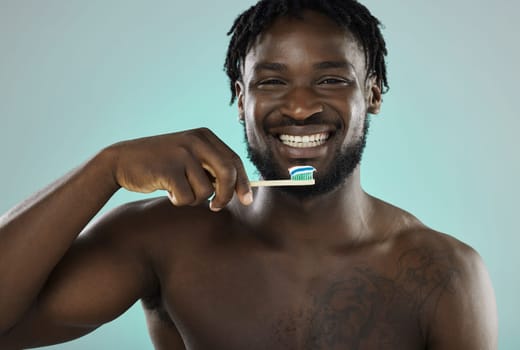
x: 370, y: 310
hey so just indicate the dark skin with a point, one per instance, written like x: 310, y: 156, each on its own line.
x: 342, y: 270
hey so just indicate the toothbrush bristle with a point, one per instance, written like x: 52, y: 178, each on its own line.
x: 302, y: 172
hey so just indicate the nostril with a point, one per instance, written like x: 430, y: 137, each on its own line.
x: 301, y: 111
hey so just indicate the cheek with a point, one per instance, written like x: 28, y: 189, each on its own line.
x: 250, y: 103
x: 354, y: 112
x: 252, y: 111
x: 355, y: 103
x: 256, y: 110
x: 256, y: 107
x: 360, y: 107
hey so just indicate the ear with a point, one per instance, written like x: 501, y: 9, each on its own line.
x: 239, y: 91
x: 374, y: 96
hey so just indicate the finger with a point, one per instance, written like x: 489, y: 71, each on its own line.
x: 179, y: 189
x: 225, y: 179
x: 217, y: 162
x: 201, y: 186
x: 242, y: 187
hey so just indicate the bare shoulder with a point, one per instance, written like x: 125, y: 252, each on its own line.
x: 407, y: 234
x: 459, y: 309
x: 456, y: 258
x: 422, y: 238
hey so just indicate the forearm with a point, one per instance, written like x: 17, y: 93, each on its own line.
x: 36, y: 234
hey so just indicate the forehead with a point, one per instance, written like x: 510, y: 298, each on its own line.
x: 313, y: 38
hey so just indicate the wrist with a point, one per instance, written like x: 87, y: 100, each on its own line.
x: 106, y: 162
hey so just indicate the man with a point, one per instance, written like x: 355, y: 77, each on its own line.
x: 320, y: 267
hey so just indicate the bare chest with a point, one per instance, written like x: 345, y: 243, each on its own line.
x: 238, y: 303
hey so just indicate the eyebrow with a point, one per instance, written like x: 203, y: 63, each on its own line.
x: 333, y: 64
x: 280, y: 67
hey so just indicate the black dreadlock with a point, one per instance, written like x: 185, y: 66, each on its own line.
x: 349, y: 14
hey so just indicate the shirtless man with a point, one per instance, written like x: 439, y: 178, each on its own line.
x: 320, y: 267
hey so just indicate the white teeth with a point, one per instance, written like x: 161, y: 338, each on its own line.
x: 306, y: 141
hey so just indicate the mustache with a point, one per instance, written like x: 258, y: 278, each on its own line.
x: 315, y: 119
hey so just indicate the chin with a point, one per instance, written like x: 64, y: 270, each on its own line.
x: 329, y: 177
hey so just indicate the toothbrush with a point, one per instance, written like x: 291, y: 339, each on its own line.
x: 300, y: 176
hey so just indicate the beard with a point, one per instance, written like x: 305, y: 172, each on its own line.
x: 344, y: 162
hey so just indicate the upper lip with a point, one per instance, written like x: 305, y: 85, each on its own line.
x: 301, y: 130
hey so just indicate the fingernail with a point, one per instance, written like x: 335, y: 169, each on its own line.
x: 248, y: 198
x: 213, y: 208
x: 172, y: 198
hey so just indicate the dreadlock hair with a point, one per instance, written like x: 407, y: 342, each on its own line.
x: 349, y: 14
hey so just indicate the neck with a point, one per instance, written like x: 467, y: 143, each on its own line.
x: 329, y: 221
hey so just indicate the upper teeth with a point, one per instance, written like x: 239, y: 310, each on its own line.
x: 304, y: 141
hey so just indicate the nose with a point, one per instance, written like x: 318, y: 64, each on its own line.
x: 301, y: 103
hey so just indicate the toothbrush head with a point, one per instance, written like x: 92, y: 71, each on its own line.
x: 302, y: 173
x: 300, y: 176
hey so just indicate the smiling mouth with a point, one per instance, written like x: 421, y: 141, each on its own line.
x: 304, y: 141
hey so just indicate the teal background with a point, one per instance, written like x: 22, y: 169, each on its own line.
x: 76, y: 76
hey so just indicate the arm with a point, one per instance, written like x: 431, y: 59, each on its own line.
x: 466, y: 316
x: 49, y: 277
x: 102, y: 274
x: 33, y: 238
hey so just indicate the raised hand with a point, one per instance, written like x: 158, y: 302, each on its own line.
x: 191, y: 165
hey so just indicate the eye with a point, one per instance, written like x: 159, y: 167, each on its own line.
x: 333, y: 81
x: 271, y: 82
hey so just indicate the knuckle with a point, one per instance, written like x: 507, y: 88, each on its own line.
x: 197, y: 139
x: 227, y: 173
x: 234, y: 161
x: 243, y: 181
x: 235, y: 158
x: 203, y: 131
